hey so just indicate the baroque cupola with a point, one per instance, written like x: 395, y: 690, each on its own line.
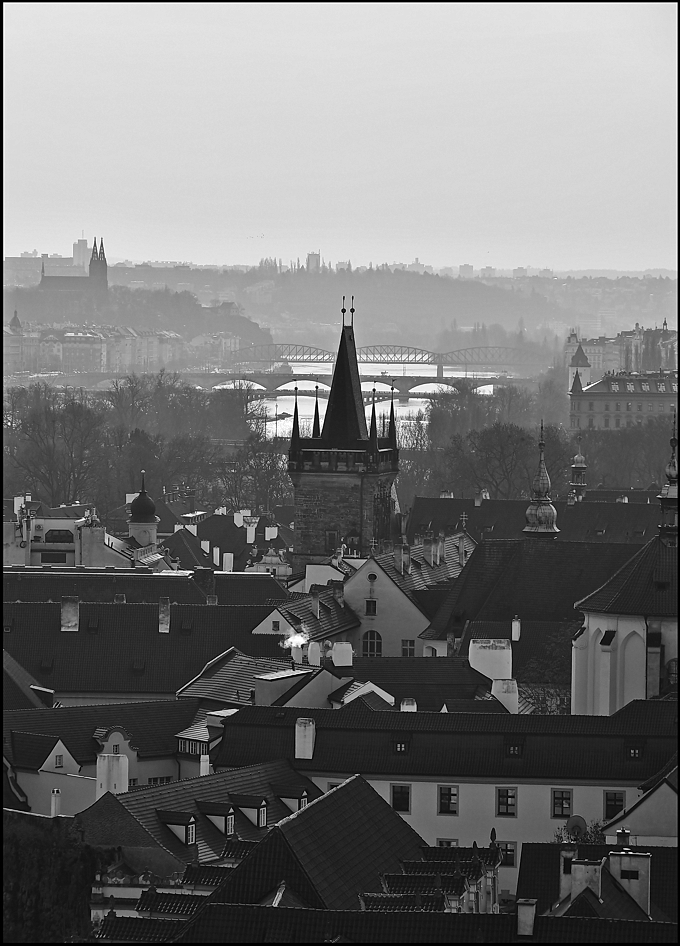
x: 578, y: 475
x: 143, y: 521
x: 541, y: 515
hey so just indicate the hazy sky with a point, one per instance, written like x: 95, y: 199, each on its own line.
x: 491, y: 133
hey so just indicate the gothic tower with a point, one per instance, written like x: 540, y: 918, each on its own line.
x: 99, y: 268
x: 343, y: 476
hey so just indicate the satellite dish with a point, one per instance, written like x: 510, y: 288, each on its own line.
x: 576, y: 826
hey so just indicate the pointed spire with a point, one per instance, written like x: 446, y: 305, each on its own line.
x: 343, y: 310
x: 95, y: 254
x: 295, y: 434
x: 101, y: 250
x: 143, y: 490
x: 541, y: 515
x: 392, y: 430
x: 316, y: 430
x: 576, y: 386
x: 345, y: 420
x: 373, y: 435
x: 351, y: 311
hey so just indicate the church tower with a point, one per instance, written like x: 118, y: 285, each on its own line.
x: 143, y: 521
x: 99, y: 280
x: 541, y: 515
x: 578, y: 475
x: 343, y: 476
x: 579, y: 365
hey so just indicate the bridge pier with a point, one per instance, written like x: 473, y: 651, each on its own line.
x: 440, y: 371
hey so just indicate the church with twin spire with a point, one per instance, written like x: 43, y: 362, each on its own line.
x: 344, y: 474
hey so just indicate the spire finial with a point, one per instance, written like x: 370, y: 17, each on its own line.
x: 101, y: 249
x: 295, y: 433
x: 392, y: 429
x: 351, y: 311
x: 343, y: 310
x: 95, y: 254
x: 541, y: 515
x: 143, y: 490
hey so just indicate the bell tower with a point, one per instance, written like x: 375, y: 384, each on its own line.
x: 343, y: 476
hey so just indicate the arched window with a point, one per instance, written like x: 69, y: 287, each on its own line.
x: 371, y: 644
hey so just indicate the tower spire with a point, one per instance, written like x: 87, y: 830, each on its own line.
x: 95, y: 254
x: 392, y: 429
x: 316, y: 430
x: 351, y: 312
x: 345, y: 420
x: 373, y: 436
x: 295, y: 434
x: 541, y: 515
x: 101, y: 249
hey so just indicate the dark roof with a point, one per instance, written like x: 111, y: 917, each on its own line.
x: 333, y: 617
x: 110, y: 815
x: 253, y: 923
x: 184, y: 545
x: 611, y: 384
x: 539, y: 873
x: 599, y: 494
x: 142, y: 508
x: 137, y: 929
x: 329, y: 852
x: 345, y: 420
x: 28, y: 750
x: 124, y: 652
x: 19, y: 689
x: 98, y: 584
x: 230, y: 677
x: 647, y: 584
x: 541, y: 655
x: 471, y: 745
x: 579, y: 359
x: 403, y: 902
x: 538, y: 580
x: 607, y: 522
x: 206, y: 875
x: 221, y: 532
x: 151, y: 726
x: 664, y: 772
x: 172, y: 904
x: 422, y: 575
x: 613, y: 903
x: 248, y: 588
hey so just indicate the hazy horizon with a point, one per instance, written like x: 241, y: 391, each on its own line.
x: 539, y: 135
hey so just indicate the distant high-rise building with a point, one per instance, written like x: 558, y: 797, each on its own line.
x: 314, y: 262
x: 487, y: 272
x: 81, y: 254
x: 466, y: 271
x: 546, y: 274
x: 519, y: 273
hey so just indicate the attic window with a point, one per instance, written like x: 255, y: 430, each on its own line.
x: 262, y: 817
x: 229, y: 826
x: 302, y: 803
x: 514, y: 749
x: 635, y: 750
x: 276, y: 625
x: 59, y: 762
x: 187, y: 625
x: 401, y: 746
x: 191, y: 834
x: 372, y: 576
x: 7, y: 625
x: 115, y: 748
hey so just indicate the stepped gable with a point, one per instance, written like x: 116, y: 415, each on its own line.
x: 345, y: 420
x: 328, y: 853
x: 646, y: 584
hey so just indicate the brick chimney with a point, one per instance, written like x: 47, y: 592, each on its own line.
x: 305, y: 734
x: 633, y: 872
x: 164, y: 615
x: 526, y: 916
x: 586, y: 874
x: 398, y: 556
x: 205, y: 579
x: 461, y: 551
x: 442, y: 547
x: 70, y: 613
x: 408, y: 705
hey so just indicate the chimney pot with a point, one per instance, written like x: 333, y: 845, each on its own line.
x: 55, y: 803
x: 408, y: 705
x: 314, y: 654
x: 164, y: 615
x: 516, y: 628
x: 204, y: 765
x: 342, y: 654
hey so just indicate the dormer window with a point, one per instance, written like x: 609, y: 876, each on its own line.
x: 401, y: 746
x: 515, y: 750
x: 635, y: 750
x: 630, y: 386
x: 303, y: 803
x: 615, y: 385
x: 191, y: 834
x: 661, y: 386
x: 645, y: 386
x: 262, y: 817
x: 229, y: 826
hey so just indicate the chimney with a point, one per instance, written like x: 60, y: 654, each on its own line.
x: 112, y: 774
x: 270, y: 532
x: 408, y: 705
x: 204, y: 765
x: 314, y: 595
x: 461, y: 551
x: 586, y: 874
x: 341, y: 654
x: 190, y: 499
x: 417, y: 539
x: 633, y: 872
x: 398, y: 556
x: 436, y: 548
x: 70, y: 612
x: 296, y: 654
x: 55, y: 803
x: 227, y: 561
x: 407, y: 558
x: 314, y: 654
x: 205, y: 579
x: 506, y: 692
x: 623, y: 837
x: 338, y: 592
x: 526, y: 915
x: 250, y: 535
x: 442, y: 548
x: 566, y: 857
x: 119, y: 599
x: 516, y: 628
x: 427, y: 549
x: 478, y: 498
x: 164, y: 615
x: 305, y: 732
x: 211, y: 599
x: 238, y: 520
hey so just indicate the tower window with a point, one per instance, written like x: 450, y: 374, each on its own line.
x: 371, y: 607
x: 371, y: 644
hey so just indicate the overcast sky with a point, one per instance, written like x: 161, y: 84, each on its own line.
x: 497, y: 134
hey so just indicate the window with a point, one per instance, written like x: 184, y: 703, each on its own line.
x: 160, y: 780
x: 615, y: 385
x: 561, y: 803
x: 628, y: 874
x: 401, y: 746
x: 508, y: 850
x: 333, y: 785
x: 53, y: 558
x: 606, y: 422
x: 617, y: 422
x: 262, y: 817
x: 650, y: 406
x: 133, y: 782
x: 115, y: 749
x: 629, y: 405
x: 639, y: 407
x: 447, y: 842
x: 634, y: 752
x: 606, y: 407
x: 591, y: 422
x: 401, y: 798
x: 661, y: 387
x: 191, y: 834
x: 591, y: 405
x: 674, y: 387
x: 229, y: 825
x: 514, y: 749
x: 276, y: 625
x: 506, y: 802
x: 371, y: 644
x: 618, y: 405
x: 448, y: 800
x: 630, y: 386
x: 372, y: 576
x: 408, y: 648
x: 629, y: 421
x: 59, y: 762
x: 302, y: 804
x: 660, y: 405
x: 645, y: 386
x: 331, y: 541
x: 371, y: 606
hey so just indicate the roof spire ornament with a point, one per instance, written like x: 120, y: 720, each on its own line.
x: 316, y: 430
x: 541, y: 515
x: 352, y: 312
x: 142, y: 507
x: 101, y: 249
x: 295, y: 435
x: 343, y: 310
x: 392, y: 429
x: 95, y: 254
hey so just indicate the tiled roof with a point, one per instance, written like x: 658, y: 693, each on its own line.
x: 28, y: 584
x: 248, y: 588
x: 539, y: 873
x: 372, y: 701
x: 536, y: 579
x: 601, y: 495
x: 169, y: 904
x: 184, y: 546
x: 251, y: 923
x: 579, y: 359
x: 411, y: 884
x: 230, y: 677
x: 205, y: 875
x: 28, y: 750
x: 403, y: 902
x: 613, y: 903
x: 19, y: 689
x: 664, y: 772
x: 431, y: 682
x: 422, y: 575
x: 124, y: 652
x: 541, y: 655
x: 221, y: 532
x: 471, y: 745
x: 607, y: 522
x: 606, y: 384
x: 329, y: 852
x: 151, y: 725
x: 333, y: 618
x: 183, y: 796
x: 136, y: 929
x: 647, y: 584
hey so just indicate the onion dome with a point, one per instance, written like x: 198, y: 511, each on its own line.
x: 541, y: 515
x: 579, y: 459
x: 142, y: 507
